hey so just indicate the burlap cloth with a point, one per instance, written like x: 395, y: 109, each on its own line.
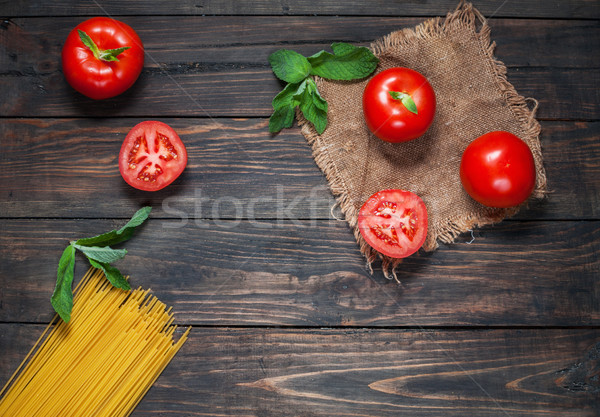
x: 473, y: 98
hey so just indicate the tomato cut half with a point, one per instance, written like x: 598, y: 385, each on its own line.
x: 152, y: 156
x: 394, y: 222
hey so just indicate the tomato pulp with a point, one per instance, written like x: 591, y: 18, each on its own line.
x: 394, y: 222
x: 497, y: 170
x: 152, y: 156
x: 102, y: 68
x: 398, y: 104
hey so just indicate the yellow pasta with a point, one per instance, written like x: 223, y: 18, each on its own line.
x: 102, y: 362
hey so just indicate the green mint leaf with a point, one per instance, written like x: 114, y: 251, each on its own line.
x: 105, y: 239
x: 342, y: 48
x: 62, y: 298
x: 314, y: 107
x: 287, y: 96
x: 406, y: 100
x: 136, y: 220
x: 112, y: 54
x: 314, y: 115
x: 316, y: 97
x: 289, y: 66
x: 117, y: 236
x: 282, y: 117
x: 284, y: 104
x: 101, y: 254
x: 113, y: 275
x: 87, y: 41
x: 348, y: 62
x: 104, y: 55
x: 409, y: 104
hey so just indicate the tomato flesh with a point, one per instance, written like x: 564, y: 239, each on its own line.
x: 498, y: 170
x: 394, y: 222
x: 152, y: 156
x: 388, y: 118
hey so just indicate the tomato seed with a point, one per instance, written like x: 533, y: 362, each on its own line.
x: 387, y: 234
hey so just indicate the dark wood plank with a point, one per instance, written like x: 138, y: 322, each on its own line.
x: 359, y: 372
x: 311, y: 273
x: 551, y: 43
x: 240, y: 92
x: 365, y: 372
x: 32, y: 44
x: 208, y: 74
x: 228, y: 159
x: 587, y: 9
x: 68, y: 168
x: 572, y: 161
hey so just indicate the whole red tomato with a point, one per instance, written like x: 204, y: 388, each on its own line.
x: 102, y: 57
x: 399, y: 104
x: 498, y: 170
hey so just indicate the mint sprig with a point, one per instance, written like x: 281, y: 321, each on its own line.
x: 100, y: 255
x: 348, y: 62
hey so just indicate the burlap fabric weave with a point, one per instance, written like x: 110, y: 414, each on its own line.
x: 473, y: 97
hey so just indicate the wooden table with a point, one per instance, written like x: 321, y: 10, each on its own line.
x: 286, y: 319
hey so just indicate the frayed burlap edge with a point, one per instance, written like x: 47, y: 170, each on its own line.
x: 465, y: 16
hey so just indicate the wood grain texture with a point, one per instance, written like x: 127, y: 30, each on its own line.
x: 311, y: 273
x: 367, y: 372
x: 223, y: 70
x: 215, y: 92
x: 587, y: 9
x: 68, y: 168
x: 32, y: 44
x: 287, y: 320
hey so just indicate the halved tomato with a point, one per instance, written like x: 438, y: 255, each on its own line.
x: 152, y: 156
x: 394, y: 222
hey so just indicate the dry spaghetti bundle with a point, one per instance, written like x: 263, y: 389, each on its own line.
x: 102, y: 362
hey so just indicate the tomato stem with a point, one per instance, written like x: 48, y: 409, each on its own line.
x: 101, y: 54
x: 405, y: 99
